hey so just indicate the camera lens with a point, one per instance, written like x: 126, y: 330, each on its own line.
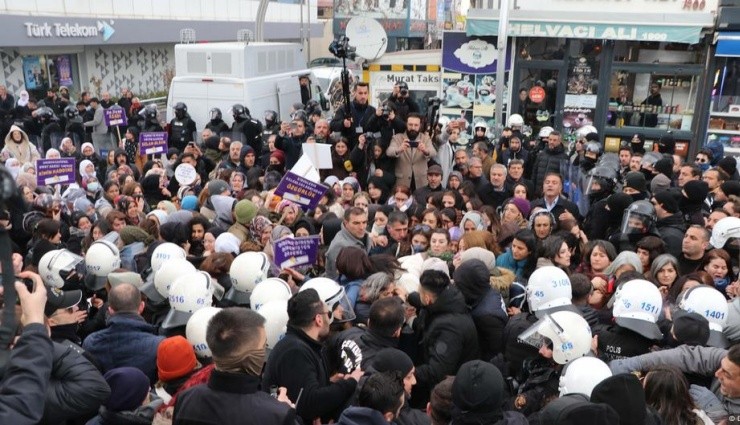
x: 404, y: 92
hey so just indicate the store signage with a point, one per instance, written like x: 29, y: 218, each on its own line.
x: 620, y: 6
x: 537, y: 94
x: 69, y: 30
x: 521, y: 28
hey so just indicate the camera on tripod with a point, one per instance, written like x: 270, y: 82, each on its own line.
x: 342, y: 50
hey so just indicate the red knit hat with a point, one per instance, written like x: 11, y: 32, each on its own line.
x: 175, y: 358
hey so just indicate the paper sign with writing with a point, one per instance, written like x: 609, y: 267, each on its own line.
x: 115, y: 116
x: 300, y: 190
x: 55, y: 171
x: 152, y: 142
x: 292, y: 252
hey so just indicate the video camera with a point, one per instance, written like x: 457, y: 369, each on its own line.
x: 342, y: 50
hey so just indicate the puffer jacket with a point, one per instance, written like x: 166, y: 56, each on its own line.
x: 448, y: 339
x: 548, y: 160
x: 76, y: 388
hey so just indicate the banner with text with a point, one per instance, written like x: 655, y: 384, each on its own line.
x: 152, y: 142
x: 302, y: 191
x: 292, y: 252
x: 115, y: 116
x: 55, y: 171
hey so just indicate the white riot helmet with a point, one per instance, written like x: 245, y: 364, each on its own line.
x: 170, y: 272
x: 568, y: 332
x: 195, y: 331
x: 269, y: 290
x: 582, y: 375
x: 55, y: 266
x: 249, y: 269
x: 724, y: 230
x: 101, y: 259
x: 549, y: 290
x: 334, y: 297
x: 481, y: 124
x: 545, y: 132
x: 165, y: 252
x: 637, y: 305
x: 710, y: 303
x: 515, y: 120
x: 585, y: 130
x: 275, y: 313
x: 188, y: 294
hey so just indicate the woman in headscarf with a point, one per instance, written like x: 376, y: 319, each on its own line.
x: 289, y: 213
x: 472, y: 220
x: 87, y: 172
x: 260, y: 230
x: 128, y: 206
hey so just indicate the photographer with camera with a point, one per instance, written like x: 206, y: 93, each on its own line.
x: 402, y: 101
x: 413, y: 149
x: 354, y: 123
x: 28, y: 370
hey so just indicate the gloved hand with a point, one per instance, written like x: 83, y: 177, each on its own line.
x: 708, y: 402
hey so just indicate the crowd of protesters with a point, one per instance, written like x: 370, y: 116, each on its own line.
x: 459, y: 280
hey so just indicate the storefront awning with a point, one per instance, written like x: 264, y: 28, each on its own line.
x: 667, y: 27
x: 728, y: 44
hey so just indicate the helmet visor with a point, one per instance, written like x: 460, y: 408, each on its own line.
x: 634, y: 223
x: 67, y: 262
x: 539, y: 334
x: 594, y: 184
x: 340, y: 307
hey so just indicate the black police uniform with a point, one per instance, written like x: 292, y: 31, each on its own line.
x: 181, y: 131
x: 616, y: 342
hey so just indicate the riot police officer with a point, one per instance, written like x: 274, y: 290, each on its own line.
x: 272, y: 126
x: 73, y: 128
x: 149, y: 119
x: 182, y: 128
x: 51, y: 131
x: 217, y: 124
x: 246, y: 129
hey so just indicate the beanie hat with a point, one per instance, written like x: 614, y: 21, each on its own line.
x: 132, y: 234
x: 189, y: 203
x: 730, y: 187
x: 245, y: 211
x: 729, y: 165
x: 477, y: 253
x: 392, y: 360
x: 664, y: 166
x: 456, y: 174
x: 618, y: 202
x: 691, y: 328
x: 660, y: 183
x: 696, y: 191
x: 667, y: 200
x: 175, y: 358
x: 128, y: 388
x: 625, y: 394
x: 522, y: 205
x: 635, y: 180
x: 478, y: 387
x: 217, y: 187
x: 472, y: 278
x: 279, y: 155
x: 667, y: 144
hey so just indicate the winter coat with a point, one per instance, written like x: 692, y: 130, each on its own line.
x: 343, y: 239
x: 507, y: 261
x: 672, y: 229
x: 367, y: 342
x: 76, y: 388
x: 141, y: 416
x: 356, y: 415
x: 292, y: 146
x: 548, y: 160
x: 697, y: 360
x: 127, y: 341
x: 448, y: 338
x: 26, y: 377
x: 411, y: 162
x: 231, y: 398
x: 490, y: 317
x: 297, y: 363
x: 25, y: 151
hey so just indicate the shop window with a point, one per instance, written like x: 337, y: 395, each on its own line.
x: 659, y: 100
x: 49, y: 72
x: 657, y: 53
x: 541, y: 48
x: 724, y: 116
x: 584, y: 62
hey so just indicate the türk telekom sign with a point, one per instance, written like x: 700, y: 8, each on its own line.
x: 102, y: 29
x: 623, y: 6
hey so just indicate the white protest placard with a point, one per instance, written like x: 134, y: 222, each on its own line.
x: 319, y: 154
x: 185, y: 174
x: 305, y: 168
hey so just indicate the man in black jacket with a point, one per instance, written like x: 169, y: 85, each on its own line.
x: 553, y: 200
x: 356, y: 123
x: 549, y: 160
x: 297, y: 362
x: 670, y: 223
x: 237, y: 339
x: 29, y: 367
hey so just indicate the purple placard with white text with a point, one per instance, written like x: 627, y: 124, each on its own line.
x: 55, y: 171
x: 115, y: 116
x: 300, y: 190
x: 293, y: 252
x: 152, y: 142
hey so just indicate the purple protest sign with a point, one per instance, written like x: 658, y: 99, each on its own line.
x: 292, y: 252
x: 64, y: 70
x: 152, y: 142
x: 300, y: 190
x: 115, y: 116
x: 55, y: 171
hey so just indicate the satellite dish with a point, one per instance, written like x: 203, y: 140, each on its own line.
x: 368, y: 36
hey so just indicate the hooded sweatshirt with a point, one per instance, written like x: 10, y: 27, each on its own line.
x: 25, y: 152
